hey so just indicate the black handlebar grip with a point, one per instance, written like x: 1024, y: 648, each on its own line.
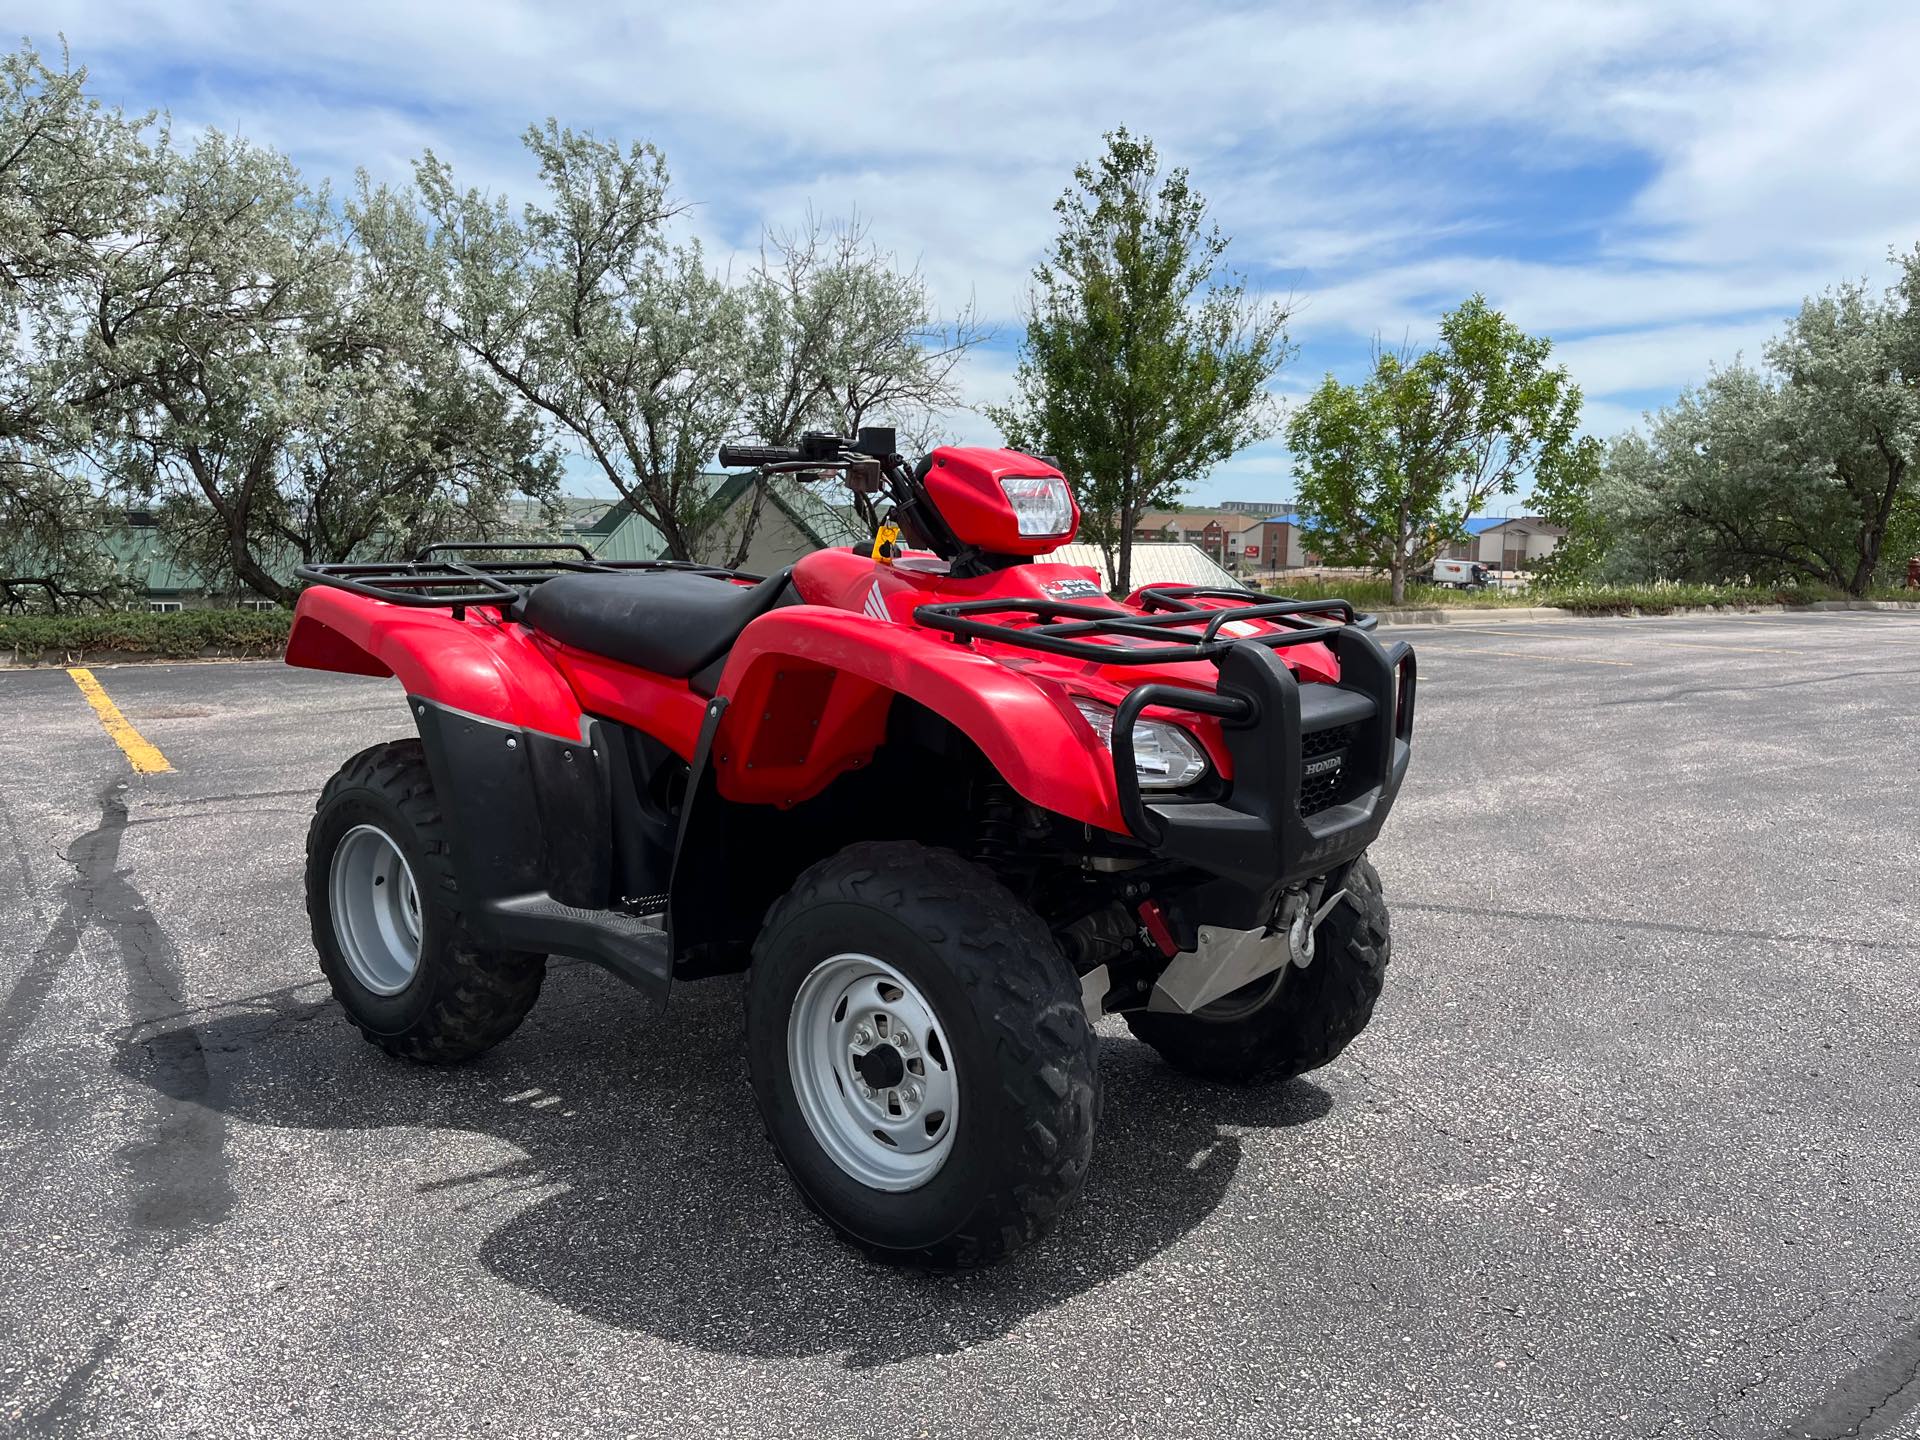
x: 736, y: 456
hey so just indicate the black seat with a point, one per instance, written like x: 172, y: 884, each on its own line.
x: 672, y: 622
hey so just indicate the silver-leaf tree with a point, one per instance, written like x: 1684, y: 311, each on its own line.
x: 1804, y: 470
x: 226, y: 353
x: 68, y: 172
x: 839, y: 337
x: 586, y: 315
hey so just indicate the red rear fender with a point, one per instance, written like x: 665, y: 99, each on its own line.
x: 477, y: 665
x: 809, y: 689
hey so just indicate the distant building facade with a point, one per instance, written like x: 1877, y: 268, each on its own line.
x: 1239, y: 541
x: 1517, y: 542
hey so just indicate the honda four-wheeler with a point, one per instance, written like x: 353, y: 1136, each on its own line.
x: 945, y: 802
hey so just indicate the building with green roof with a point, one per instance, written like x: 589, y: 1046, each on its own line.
x: 794, y: 520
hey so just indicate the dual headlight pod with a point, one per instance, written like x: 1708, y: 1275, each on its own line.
x: 1042, y: 504
x: 1165, y: 757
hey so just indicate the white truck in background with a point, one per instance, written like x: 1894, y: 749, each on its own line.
x: 1457, y: 575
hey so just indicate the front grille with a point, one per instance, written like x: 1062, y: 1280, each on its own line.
x: 1325, y: 742
x: 1317, y: 792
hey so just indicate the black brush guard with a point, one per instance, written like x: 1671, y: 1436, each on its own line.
x: 1254, y: 835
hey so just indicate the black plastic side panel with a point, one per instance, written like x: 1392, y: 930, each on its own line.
x: 698, y: 892
x: 645, y: 818
x: 526, y: 812
x: 485, y: 787
x: 570, y: 788
x: 530, y: 822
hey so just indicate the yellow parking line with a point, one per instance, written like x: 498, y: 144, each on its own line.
x: 141, y: 753
x: 1534, y: 655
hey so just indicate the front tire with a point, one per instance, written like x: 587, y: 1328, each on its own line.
x: 1297, y: 1020
x: 380, y: 896
x: 920, y: 1055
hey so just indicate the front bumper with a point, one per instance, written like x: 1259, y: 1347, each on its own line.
x: 1256, y: 836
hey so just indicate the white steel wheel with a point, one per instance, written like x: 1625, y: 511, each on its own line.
x: 873, y: 1072
x: 376, y: 909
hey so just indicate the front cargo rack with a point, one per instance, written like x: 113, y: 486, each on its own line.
x: 433, y: 579
x: 1072, y: 630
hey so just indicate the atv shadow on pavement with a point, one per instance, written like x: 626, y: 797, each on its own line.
x: 662, y: 1210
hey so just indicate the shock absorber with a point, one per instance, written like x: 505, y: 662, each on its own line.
x: 993, y: 834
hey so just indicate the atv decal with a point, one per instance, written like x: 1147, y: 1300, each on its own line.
x: 875, y: 606
x: 1072, y: 589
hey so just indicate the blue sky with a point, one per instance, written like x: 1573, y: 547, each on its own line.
x: 1654, y: 185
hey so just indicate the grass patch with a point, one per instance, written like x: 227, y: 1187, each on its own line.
x: 1665, y: 599
x: 182, y: 635
x: 1657, y: 599
x: 1377, y: 595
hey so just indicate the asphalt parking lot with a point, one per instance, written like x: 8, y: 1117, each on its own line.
x: 1630, y: 1149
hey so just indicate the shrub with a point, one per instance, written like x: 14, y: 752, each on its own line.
x: 184, y: 634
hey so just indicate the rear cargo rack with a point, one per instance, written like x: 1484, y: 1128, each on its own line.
x: 431, y: 580
x: 1086, y: 632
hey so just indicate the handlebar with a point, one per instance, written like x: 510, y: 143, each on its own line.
x: 815, y: 450
x: 739, y: 456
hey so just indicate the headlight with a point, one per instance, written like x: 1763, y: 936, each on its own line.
x: 1042, y: 504
x: 1165, y: 757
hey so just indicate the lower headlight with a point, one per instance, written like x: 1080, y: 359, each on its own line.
x: 1165, y: 757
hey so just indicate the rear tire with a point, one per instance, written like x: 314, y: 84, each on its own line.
x: 381, y: 895
x: 994, y: 1082
x: 1279, y: 1027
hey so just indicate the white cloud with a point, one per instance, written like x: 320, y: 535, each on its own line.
x: 1607, y: 418
x: 1384, y: 160
x: 1663, y: 359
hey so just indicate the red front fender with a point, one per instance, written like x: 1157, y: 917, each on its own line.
x: 809, y: 688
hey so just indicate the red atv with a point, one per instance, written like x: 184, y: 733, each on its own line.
x: 946, y: 803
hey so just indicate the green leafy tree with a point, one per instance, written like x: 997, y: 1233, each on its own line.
x: 1391, y: 469
x: 1145, y: 362
x: 1611, y: 535
x: 1571, y: 496
x: 1711, y: 493
x: 1903, y: 538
